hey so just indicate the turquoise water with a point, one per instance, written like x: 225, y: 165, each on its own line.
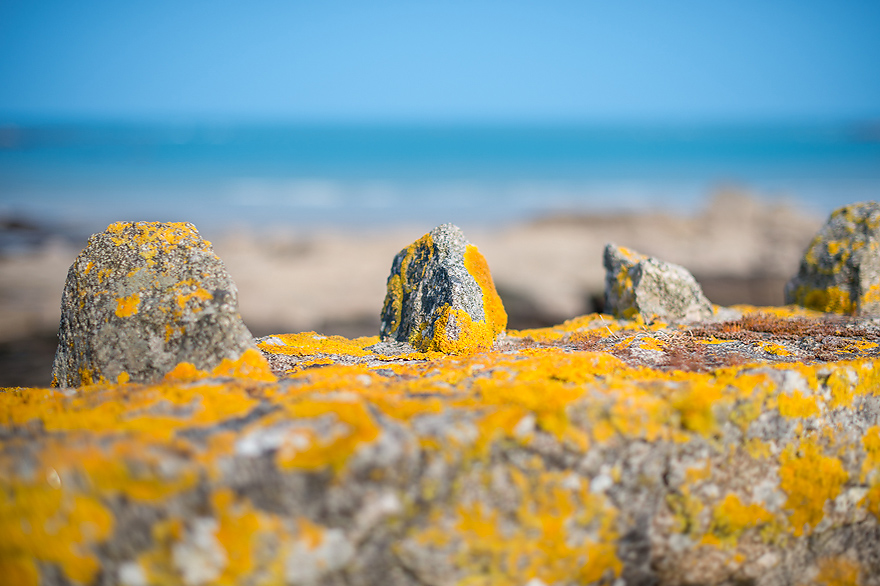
x: 313, y: 176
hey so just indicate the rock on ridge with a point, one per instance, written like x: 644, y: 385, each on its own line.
x: 840, y: 270
x: 636, y: 284
x: 441, y: 297
x: 141, y: 298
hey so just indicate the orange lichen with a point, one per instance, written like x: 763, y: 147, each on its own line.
x: 150, y: 238
x: 311, y: 343
x: 130, y: 443
x: 305, y: 449
x: 251, y: 364
x: 454, y: 332
x: 476, y: 265
x: 127, y: 306
x: 244, y: 532
x: 39, y: 522
x: 809, y: 479
x: 190, y: 289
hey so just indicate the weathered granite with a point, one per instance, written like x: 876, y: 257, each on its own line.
x: 636, y: 284
x: 441, y: 296
x: 840, y: 270
x: 599, y: 451
x: 141, y: 298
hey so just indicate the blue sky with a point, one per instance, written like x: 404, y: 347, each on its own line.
x: 586, y: 60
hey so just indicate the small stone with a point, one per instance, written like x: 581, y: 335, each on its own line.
x: 636, y: 284
x: 840, y: 270
x: 141, y: 298
x: 441, y: 296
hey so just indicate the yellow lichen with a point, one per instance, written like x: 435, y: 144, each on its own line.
x: 731, y: 518
x: 777, y: 349
x: 126, y: 442
x: 838, y: 571
x: 541, y: 542
x: 685, y: 509
x: 696, y: 404
x: 830, y: 299
x: 401, y: 283
x: 870, y: 473
x: 809, y: 479
x: 797, y: 405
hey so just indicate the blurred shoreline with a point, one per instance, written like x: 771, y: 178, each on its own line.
x: 741, y: 249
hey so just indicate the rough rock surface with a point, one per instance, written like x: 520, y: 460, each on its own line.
x: 441, y: 297
x: 840, y: 271
x: 637, y: 284
x: 140, y: 299
x: 599, y: 451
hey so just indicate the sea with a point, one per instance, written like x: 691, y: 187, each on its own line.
x: 77, y: 177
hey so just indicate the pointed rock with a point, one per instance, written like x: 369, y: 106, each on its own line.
x: 141, y: 298
x: 638, y: 284
x: 441, y: 296
x: 840, y: 270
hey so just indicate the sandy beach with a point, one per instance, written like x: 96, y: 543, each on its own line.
x: 741, y: 249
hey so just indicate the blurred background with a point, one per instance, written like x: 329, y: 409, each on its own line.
x: 310, y: 141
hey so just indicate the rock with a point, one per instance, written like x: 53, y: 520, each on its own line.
x: 142, y: 298
x: 597, y: 451
x: 441, y: 296
x: 639, y: 285
x: 840, y: 270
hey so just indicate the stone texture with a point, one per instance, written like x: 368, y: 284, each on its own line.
x: 639, y: 285
x: 840, y: 270
x: 140, y: 299
x: 441, y: 297
x: 598, y: 451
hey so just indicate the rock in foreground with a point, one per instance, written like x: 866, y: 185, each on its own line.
x: 636, y: 284
x: 141, y: 298
x: 599, y: 451
x: 840, y: 271
x: 441, y: 296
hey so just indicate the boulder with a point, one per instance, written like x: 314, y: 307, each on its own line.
x: 441, y: 297
x: 840, y: 270
x: 597, y: 451
x: 141, y: 298
x: 636, y: 284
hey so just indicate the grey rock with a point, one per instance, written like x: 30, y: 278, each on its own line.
x: 141, y: 298
x: 441, y: 296
x: 840, y: 270
x: 638, y: 284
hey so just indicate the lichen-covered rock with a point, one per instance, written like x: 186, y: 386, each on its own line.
x: 840, y: 271
x: 441, y: 296
x: 599, y: 451
x: 636, y: 284
x: 141, y: 298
